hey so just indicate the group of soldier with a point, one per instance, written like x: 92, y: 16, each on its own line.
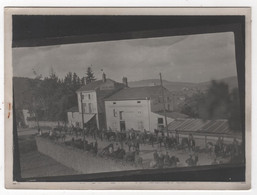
x: 134, y: 139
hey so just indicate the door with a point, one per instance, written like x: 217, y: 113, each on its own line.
x: 122, y: 126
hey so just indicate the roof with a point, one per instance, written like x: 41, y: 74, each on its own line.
x: 200, y: 126
x: 173, y: 114
x: 136, y: 93
x: 73, y: 109
x: 94, y: 85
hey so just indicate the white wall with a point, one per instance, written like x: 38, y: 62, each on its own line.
x: 45, y: 124
x: 26, y: 114
x: 92, y: 100
x: 73, y: 118
x: 154, y: 120
x: 76, y: 117
x: 136, y: 115
x: 86, y: 101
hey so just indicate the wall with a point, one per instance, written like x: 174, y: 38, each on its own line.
x: 74, y: 118
x: 26, y: 114
x: 44, y: 124
x: 200, y: 140
x: 154, y: 120
x: 83, y: 162
x: 136, y: 115
x: 86, y: 100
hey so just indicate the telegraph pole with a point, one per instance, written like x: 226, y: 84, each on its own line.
x: 82, y: 114
x: 164, y: 108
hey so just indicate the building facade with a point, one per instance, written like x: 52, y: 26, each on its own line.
x: 139, y: 108
x: 91, y: 102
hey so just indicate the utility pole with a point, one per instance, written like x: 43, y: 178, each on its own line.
x: 164, y: 108
x: 82, y: 114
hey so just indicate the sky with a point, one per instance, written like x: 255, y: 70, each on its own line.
x: 190, y: 58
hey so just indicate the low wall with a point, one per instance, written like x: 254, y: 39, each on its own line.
x: 79, y: 160
x: 48, y: 124
x: 200, y: 140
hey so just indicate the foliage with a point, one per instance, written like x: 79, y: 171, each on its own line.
x: 192, y: 104
x: 51, y: 97
x: 89, y: 75
x: 217, y: 103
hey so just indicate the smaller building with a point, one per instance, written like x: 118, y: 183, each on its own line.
x: 91, y: 102
x: 74, y: 117
x: 139, y: 108
x: 204, y: 131
x: 27, y: 119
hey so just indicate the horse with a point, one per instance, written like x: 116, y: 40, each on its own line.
x: 119, y: 153
x: 210, y: 148
x: 184, y: 143
x: 105, y: 151
x: 63, y: 137
x: 130, y: 156
x: 138, y: 161
x: 173, y: 161
x: 121, y: 136
x: 191, y: 144
x: 152, y: 139
x: 109, y: 135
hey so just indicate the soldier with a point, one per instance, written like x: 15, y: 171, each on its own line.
x: 177, y: 137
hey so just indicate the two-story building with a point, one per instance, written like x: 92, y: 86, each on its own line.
x: 139, y: 108
x: 91, y: 102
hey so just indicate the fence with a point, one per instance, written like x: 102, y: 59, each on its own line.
x: 44, y: 124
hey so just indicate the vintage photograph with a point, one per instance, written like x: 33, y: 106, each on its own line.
x: 129, y: 98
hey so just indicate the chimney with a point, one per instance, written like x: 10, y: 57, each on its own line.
x: 125, y: 81
x: 104, y: 77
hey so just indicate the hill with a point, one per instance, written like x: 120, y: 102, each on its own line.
x: 179, y: 86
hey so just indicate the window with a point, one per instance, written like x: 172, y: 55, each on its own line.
x: 159, y: 100
x: 160, y: 120
x: 114, y: 102
x: 138, y: 102
x: 168, y: 107
x: 89, y: 96
x: 114, y: 113
x: 121, y: 115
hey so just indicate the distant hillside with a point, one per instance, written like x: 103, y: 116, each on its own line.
x: 230, y: 81
x: 173, y: 86
x: 178, y: 86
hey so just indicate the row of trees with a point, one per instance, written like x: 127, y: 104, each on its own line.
x: 52, y: 96
x: 218, y: 102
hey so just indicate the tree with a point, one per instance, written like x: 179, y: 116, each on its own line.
x: 216, y: 102
x: 90, y: 75
x: 235, y: 122
x: 192, y: 104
